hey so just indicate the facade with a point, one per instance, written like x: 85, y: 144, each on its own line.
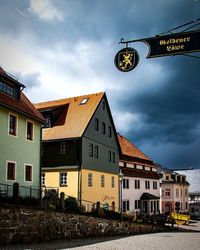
x: 174, y: 189
x: 193, y: 177
x: 80, y: 149
x: 20, y: 133
x: 140, y: 184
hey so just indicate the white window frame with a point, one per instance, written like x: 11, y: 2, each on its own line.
x: 13, y: 162
x: 112, y: 181
x: 155, y: 185
x: 102, y: 180
x: 90, y: 179
x: 33, y: 130
x: 127, y: 205
x: 31, y: 165
x: 147, y: 184
x: 16, y: 128
x: 125, y: 183
x: 63, y: 181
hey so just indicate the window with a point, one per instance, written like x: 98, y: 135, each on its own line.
x: 63, y: 179
x: 167, y: 192
x: 47, y: 122
x: 137, y: 204
x: 11, y: 169
x: 186, y: 205
x: 29, y: 131
x: 126, y: 183
x: 84, y: 101
x: 104, y: 105
x: 167, y: 177
x: 90, y: 179
x: 102, y: 180
x: 63, y: 148
x: 43, y: 179
x: 28, y: 173
x: 90, y: 149
x: 109, y: 156
x: 109, y: 131
x: 137, y: 184
x: 8, y: 89
x: 112, y: 181
x: 113, y: 157
x: 125, y: 206
x: 177, y: 192
x: 96, y: 151
x: 13, y: 125
x: 155, y: 185
x: 186, y: 192
x: 96, y: 124
x: 147, y: 184
x: 103, y: 128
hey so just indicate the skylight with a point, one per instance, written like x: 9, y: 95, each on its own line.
x: 84, y: 101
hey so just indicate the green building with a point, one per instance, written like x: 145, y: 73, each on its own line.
x: 20, y: 138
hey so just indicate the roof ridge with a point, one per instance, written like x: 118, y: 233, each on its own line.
x: 68, y: 98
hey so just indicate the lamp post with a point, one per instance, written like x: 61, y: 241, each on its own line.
x: 121, y: 175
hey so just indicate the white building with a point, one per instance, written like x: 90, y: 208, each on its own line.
x: 140, y: 184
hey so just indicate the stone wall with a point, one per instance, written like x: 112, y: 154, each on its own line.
x: 21, y: 225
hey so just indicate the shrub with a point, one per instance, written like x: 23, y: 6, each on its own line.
x: 71, y: 204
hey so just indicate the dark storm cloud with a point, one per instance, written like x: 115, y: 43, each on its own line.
x: 172, y: 113
x: 163, y: 93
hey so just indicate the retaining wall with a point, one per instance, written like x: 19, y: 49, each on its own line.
x: 22, y: 225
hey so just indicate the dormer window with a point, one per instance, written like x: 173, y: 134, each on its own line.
x: 47, y: 122
x: 8, y: 89
x: 84, y: 101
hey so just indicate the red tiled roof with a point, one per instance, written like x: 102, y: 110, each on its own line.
x: 128, y: 149
x: 23, y: 106
x: 140, y: 173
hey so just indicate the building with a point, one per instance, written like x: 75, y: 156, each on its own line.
x: 80, y: 149
x: 140, y: 184
x: 174, y: 189
x: 193, y: 177
x: 20, y: 133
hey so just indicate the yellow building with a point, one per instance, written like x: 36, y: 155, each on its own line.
x: 80, y: 149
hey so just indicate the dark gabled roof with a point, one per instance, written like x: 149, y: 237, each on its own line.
x: 148, y: 196
x: 140, y: 173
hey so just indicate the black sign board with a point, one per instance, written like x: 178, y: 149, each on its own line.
x: 126, y: 59
x: 174, y: 44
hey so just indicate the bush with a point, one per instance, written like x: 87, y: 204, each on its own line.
x: 71, y: 204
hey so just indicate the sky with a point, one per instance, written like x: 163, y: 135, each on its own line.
x: 66, y: 48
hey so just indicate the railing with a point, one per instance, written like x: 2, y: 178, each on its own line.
x: 19, y: 194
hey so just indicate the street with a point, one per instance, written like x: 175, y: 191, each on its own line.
x: 187, y: 238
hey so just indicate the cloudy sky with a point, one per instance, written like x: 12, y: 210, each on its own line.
x: 63, y: 48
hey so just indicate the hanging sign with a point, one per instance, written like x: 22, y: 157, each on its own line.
x: 173, y: 44
x: 126, y: 59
